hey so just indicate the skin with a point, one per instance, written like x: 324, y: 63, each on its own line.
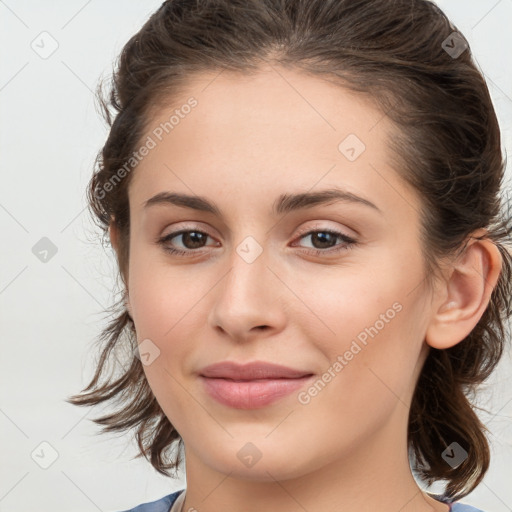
x: 247, y: 141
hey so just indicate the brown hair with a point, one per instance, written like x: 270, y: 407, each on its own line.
x: 447, y: 147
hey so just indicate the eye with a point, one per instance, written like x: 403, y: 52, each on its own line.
x: 191, y: 238
x: 324, y: 241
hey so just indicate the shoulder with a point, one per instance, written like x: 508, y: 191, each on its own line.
x: 164, y: 504
x: 455, y: 506
x: 461, y: 507
x: 161, y: 505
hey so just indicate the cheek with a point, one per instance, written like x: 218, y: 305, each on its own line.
x: 369, y: 328
x: 161, y: 295
x: 168, y: 308
x: 344, y: 303
x: 168, y: 317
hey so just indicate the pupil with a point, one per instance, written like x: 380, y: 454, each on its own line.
x: 191, y: 236
x: 323, y: 237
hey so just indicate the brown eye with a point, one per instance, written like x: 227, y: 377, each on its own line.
x: 192, y: 240
x: 324, y: 240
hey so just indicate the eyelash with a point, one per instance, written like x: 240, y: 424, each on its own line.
x: 349, y: 243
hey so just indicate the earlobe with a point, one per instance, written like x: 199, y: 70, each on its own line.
x: 465, y: 295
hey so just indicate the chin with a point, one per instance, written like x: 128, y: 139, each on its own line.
x: 252, y: 460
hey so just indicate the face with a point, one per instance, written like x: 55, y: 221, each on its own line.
x: 332, y: 288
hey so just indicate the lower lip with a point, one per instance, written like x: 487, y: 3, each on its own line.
x: 251, y: 394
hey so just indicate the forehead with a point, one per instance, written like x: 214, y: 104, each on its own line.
x: 262, y: 133
x: 271, y: 100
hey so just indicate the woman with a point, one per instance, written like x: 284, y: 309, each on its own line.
x: 304, y: 201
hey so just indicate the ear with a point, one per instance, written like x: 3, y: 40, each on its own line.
x: 463, y: 298
x: 113, y: 232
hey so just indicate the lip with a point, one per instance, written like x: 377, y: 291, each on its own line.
x: 251, y: 371
x: 253, y: 385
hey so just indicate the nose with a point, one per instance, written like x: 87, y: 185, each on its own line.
x: 249, y: 298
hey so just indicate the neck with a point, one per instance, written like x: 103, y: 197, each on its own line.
x: 374, y: 476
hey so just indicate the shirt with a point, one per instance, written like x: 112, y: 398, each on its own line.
x: 177, y: 498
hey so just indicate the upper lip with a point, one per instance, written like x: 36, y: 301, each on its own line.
x: 251, y: 371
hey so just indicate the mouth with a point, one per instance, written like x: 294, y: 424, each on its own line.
x: 252, y: 394
x: 251, y: 385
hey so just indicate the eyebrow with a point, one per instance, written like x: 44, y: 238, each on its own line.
x: 284, y: 204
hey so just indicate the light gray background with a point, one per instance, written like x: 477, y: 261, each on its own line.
x: 51, y: 312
